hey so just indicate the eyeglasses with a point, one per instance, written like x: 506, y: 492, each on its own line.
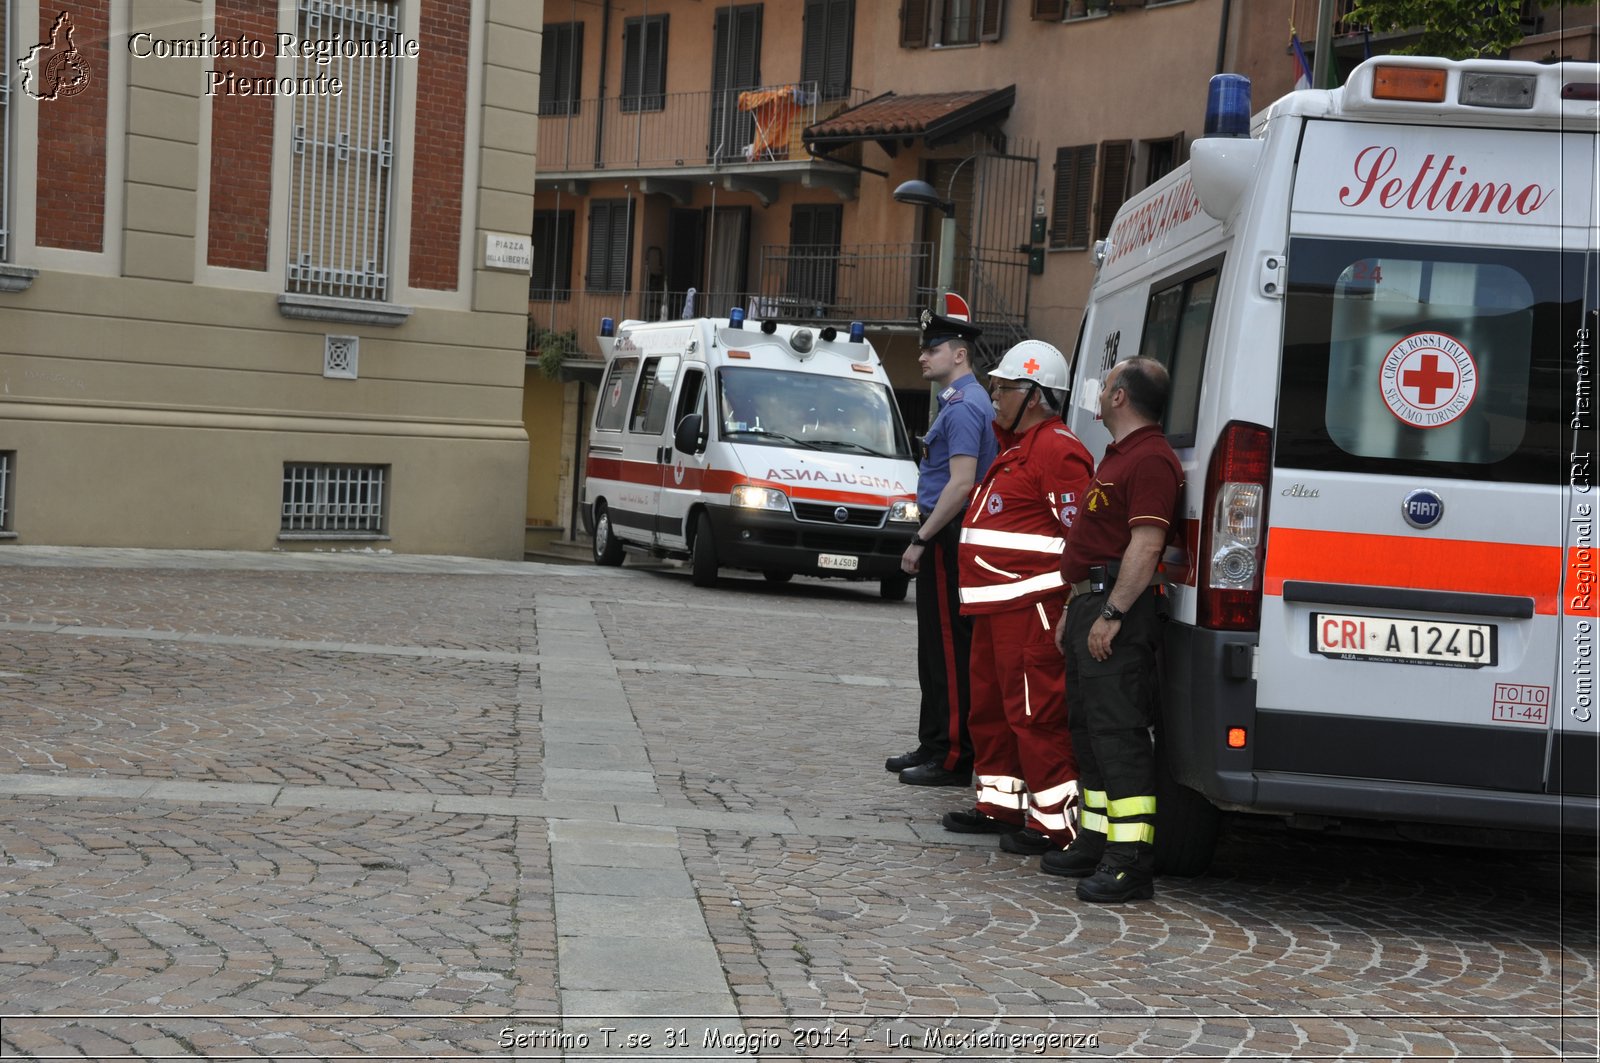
x: 1014, y: 387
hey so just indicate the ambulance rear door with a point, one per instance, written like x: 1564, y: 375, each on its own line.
x: 1412, y: 615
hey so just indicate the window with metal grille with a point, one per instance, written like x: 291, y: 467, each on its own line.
x: 339, y: 187
x: 334, y: 499
x: 644, y: 63
x: 826, y: 47
x: 1069, y: 220
x: 560, y: 68
x: 551, y: 277
x: 610, y: 245
x: 8, y: 459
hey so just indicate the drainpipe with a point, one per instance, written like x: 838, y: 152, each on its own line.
x: 600, y: 104
x: 1222, y: 39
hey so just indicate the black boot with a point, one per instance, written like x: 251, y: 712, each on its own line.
x: 1078, y: 859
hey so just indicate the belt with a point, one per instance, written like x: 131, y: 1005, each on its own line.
x: 1082, y: 586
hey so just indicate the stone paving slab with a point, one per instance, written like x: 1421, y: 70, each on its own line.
x: 288, y: 786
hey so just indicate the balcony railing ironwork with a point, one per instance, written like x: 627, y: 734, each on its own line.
x: 878, y: 284
x: 685, y: 129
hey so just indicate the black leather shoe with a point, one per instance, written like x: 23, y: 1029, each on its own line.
x: 1077, y: 860
x: 971, y: 821
x: 1113, y: 885
x: 907, y: 760
x: 931, y: 774
x: 1027, y: 841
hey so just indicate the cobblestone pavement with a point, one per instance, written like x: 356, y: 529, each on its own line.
x: 368, y: 806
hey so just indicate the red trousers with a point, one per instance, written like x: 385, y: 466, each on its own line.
x: 1022, y: 750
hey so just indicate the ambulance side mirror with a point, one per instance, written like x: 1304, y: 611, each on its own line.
x: 688, y: 437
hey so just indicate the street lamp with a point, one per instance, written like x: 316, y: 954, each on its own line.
x: 922, y: 194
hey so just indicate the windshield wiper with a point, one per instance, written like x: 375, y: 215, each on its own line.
x: 851, y: 443
x: 769, y: 434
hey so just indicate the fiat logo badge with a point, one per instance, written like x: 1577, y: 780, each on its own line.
x: 841, y: 514
x: 1422, y: 509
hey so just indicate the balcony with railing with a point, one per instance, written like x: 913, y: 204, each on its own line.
x: 685, y: 132
x: 881, y: 285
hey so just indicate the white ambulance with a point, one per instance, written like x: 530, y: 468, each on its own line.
x: 765, y: 446
x: 1378, y: 308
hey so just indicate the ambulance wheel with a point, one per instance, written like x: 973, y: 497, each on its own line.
x: 703, y: 555
x: 607, y: 547
x: 893, y: 588
x: 1186, y: 825
x: 778, y: 577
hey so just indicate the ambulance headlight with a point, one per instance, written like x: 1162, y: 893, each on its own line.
x: 905, y: 511
x: 749, y: 496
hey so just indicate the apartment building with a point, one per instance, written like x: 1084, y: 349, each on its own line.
x: 263, y: 279
x: 750, y: 151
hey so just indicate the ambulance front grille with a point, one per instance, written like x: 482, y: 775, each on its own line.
x: 825, y: 513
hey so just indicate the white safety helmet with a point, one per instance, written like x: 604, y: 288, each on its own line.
x: 1035, y: 361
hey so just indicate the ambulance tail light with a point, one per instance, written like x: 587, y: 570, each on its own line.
x: 1233, y: 534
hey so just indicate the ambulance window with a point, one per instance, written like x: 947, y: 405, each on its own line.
x: 1423, y: 360
x: 689, y: 395
x: 612, y: 409
x: 654, y: 398
x: 1176, y: 327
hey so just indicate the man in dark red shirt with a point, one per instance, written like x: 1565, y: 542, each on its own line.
x: 1111, y: 634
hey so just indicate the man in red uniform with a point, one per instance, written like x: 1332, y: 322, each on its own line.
x: 1011, y: 585
x: 1111, y: 637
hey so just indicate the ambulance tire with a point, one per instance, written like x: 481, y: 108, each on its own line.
x: 1186, y: 825
x: 607, y: 547
x: 703, y: 555
x: 893, y: 588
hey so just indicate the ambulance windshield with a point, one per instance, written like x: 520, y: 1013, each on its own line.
x: 778, y: 408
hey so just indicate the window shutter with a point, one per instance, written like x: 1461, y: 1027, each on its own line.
x: 1049, y: 10
x: 840, y: 44
x: 655, y: 64
x: 1074, y: 188
x: 989, y: 20
x: 560, y: 68
x: 814, y: 42
x: 1116, y: 160
x: 594, y: 275
x: 621, y: 250
x: 914, y: 23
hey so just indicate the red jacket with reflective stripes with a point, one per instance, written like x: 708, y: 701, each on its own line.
x: 1016, y: 525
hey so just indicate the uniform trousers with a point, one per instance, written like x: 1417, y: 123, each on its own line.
x: 944, y: 642
x: 1113, y: 708
x: 1023, y: 755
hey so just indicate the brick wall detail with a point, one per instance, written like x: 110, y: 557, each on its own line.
x: 241, y: 145
x: 71, y: 193
x: 440, y: 140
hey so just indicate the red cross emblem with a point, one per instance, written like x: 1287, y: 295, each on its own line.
x: 1031, y: 366
x: 1429, y: 380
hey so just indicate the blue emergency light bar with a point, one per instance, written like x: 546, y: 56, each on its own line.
x: 736, y: 318
x: 608, y: 327
x: 858, y: 332
x: 1228, y: 106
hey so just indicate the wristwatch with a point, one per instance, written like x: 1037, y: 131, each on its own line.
x: 1110, y: 612
x: 919, y: 540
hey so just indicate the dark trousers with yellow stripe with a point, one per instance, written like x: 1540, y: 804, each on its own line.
x: 1111, y: 706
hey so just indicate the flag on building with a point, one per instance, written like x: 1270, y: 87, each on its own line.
x: 1302, y: 69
